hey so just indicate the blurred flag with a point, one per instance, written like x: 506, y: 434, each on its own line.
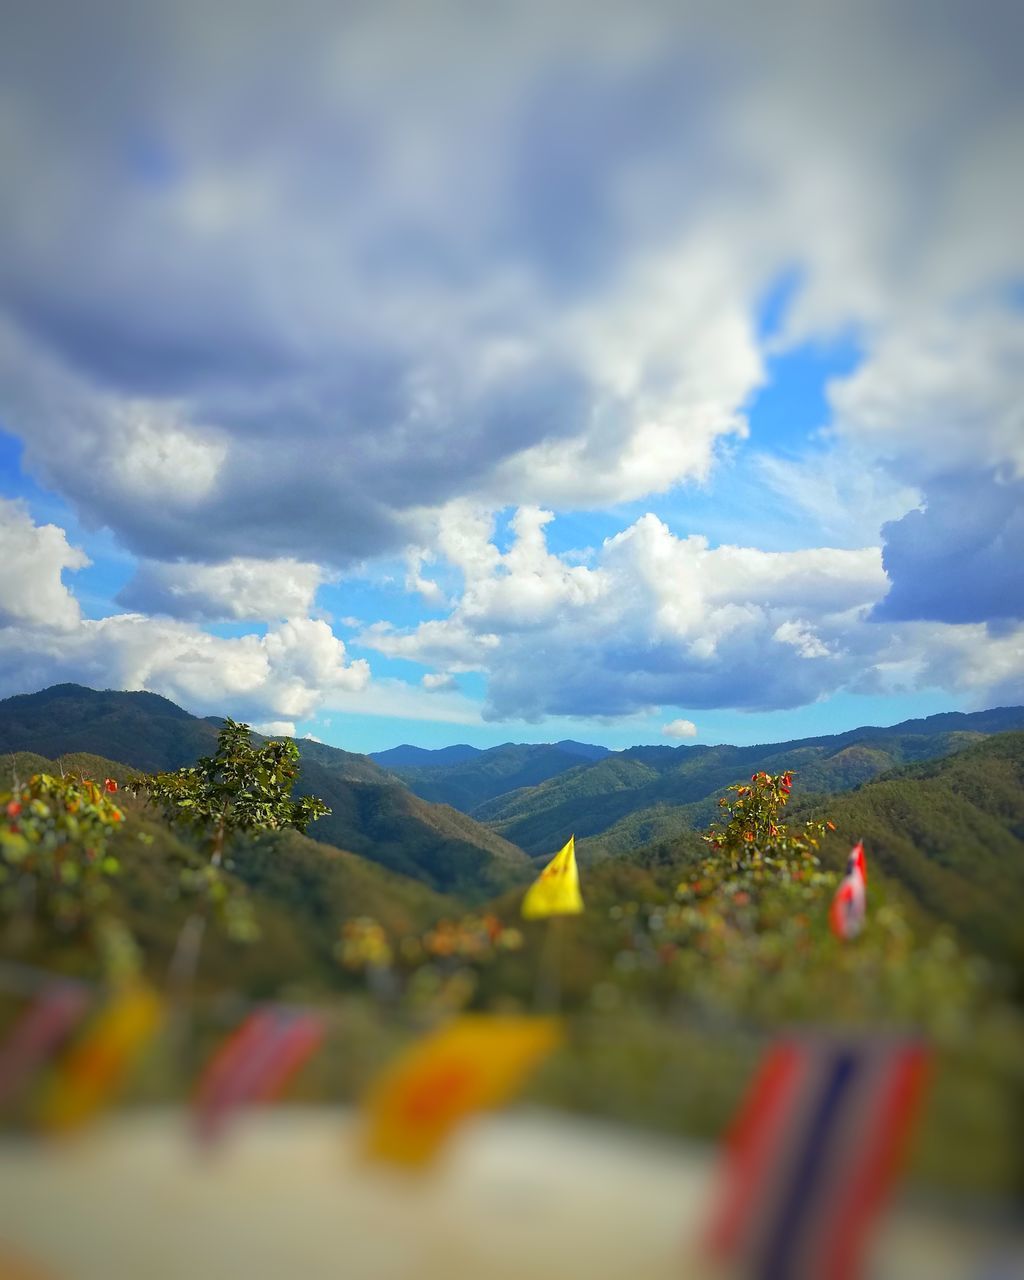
x: 849, y: 905
x: 474, y: 1063
x: 254, y: 1064
x: 556, y: 891
x: 94, y: 1067
x: 811, y: 1155
x: 39, y: 1033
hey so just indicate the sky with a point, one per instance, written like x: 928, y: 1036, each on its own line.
x: 452, y: 372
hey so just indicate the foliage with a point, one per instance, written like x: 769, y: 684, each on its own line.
x: 241, y: 787
x: 55, y: 863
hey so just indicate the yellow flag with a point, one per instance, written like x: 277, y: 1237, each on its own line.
x: 556, y: 891
x: 95, y: 1067
x: 476, y: 1062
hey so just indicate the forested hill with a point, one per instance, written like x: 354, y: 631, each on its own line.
x: 373, y: 814
x: 466, y: 778
x: 947, y: 833
x: 644, y: 794
x: 301, y: 890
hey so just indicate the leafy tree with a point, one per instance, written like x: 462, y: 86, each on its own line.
x: 241, y: 787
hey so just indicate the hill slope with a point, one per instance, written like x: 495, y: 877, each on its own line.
x: 951, y: 832
x: 465, y: 784
x: 947, y: 835
x: 301, y: 890
x: 650, y: 793
x: 374, y: 815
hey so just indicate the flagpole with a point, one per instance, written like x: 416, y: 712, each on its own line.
x: 548, y: 997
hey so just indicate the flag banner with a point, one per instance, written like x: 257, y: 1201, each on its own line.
x: 811, y: 1155
x: 475, y: 1063
x: 39, y: 1033
x: 849, y: 906
x: 95, y: 1067
x: 254, y: 1065
x: 556, y: 891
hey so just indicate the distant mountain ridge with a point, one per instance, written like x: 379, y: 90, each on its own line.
x: 407, y: 756
x: 373, y: 813
x: 425, y: 757
x: 473, y: 781
x: 651, y: 793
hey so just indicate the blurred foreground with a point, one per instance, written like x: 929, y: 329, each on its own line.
x: 530, y: 1194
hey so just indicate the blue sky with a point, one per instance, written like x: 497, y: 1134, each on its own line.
x: 623, y: 377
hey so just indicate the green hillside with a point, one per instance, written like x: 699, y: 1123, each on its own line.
x: 301, y: 890
x: 944, y: 836
x: 469, y: 783
x: 374, y: 814
x: 951, y: 833
x: 651, y: 793
x: 438, y: 845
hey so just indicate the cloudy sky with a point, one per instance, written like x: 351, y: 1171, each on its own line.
x: 464, y: 372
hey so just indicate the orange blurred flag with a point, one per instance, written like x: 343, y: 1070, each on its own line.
x: 95, y: 1067
x: 474, y: 1063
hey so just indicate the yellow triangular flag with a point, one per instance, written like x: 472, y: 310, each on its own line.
x: 94, y: 1068
x: 476, y: 1062
x: 556, y: 891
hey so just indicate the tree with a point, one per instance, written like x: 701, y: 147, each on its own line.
x: 241, y: 787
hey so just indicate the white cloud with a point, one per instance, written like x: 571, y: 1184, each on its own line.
x: 541, y: 289
x: 661, y: 620
x: 439, y: 681
x: 282, y: 675
x: 285, y: 674
x: 32, y: 559
x: 240, y: 588
x: 397, y: 700
x: 940, y: 396
x: 277, y: 729
x: 679, y: 729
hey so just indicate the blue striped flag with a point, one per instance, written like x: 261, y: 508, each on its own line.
x: 812, y: 1153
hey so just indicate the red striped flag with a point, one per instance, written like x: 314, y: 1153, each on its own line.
x: 811, y: 1155
x: 849, y: 906
x: 39, y: 1033
x: 254, y: 1065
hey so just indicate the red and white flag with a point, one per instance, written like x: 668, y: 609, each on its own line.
x: 849, y: 906
x: 812, y: 1153
x: 254, y: 1065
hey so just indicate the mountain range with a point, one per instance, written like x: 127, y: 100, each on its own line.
x: 537, y: 796
x: 373, y: 812
x: 940, y: 802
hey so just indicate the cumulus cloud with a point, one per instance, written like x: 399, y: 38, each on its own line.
x: 280, y: 295
x: 289, y: 672
x: 518, y: 264
x: 240, y: 588
x: 657, y: 620
x: 284, y: 674
x: 679, y: 729
x: 961, y: 557
x: 32, y: 560
x: 439, y: 681
x: 277, y: 729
